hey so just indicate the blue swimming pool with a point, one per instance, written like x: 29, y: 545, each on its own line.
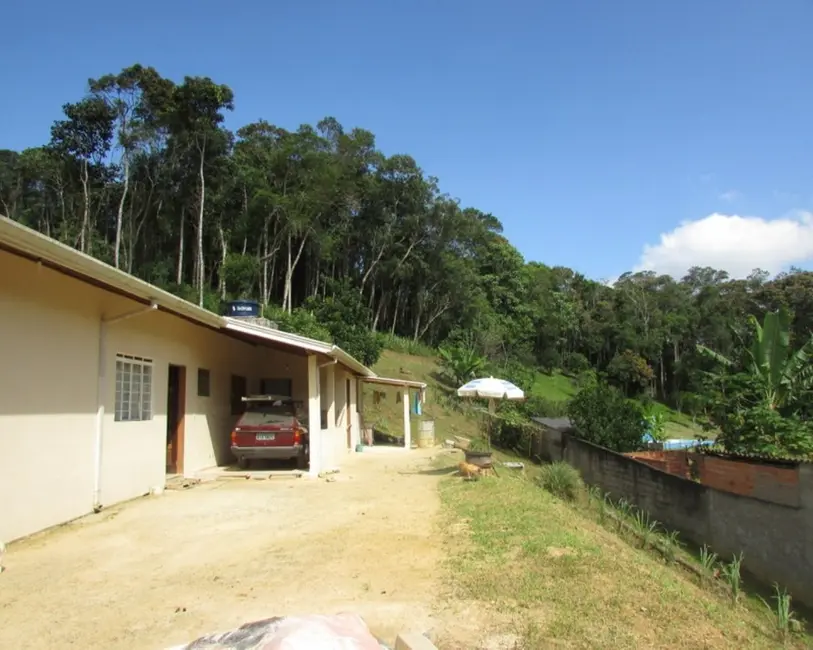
x: 677, y: 443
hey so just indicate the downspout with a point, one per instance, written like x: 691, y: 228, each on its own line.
x: 101, y: 397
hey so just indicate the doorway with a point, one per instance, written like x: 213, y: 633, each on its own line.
x: 176, y: 410
x: 348, y: 415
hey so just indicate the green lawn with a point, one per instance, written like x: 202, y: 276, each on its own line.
x: 555, y: 387
x: 549, y: 572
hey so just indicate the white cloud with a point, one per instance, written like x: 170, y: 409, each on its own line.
x: 732, y: 243
x: 729, y: 196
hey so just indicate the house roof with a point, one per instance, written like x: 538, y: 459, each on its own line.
x: 20, y: 239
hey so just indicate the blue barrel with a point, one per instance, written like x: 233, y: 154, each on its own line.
x: 243, y: 309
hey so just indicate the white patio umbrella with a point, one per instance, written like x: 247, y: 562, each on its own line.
x: 491, y: 389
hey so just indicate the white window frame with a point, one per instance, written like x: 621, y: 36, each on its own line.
x: 134, y: 383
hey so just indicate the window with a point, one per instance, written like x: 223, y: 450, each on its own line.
x: 238, y: 392
x: 276, y: 387
x: 203, y: 382
x: 133, y: 388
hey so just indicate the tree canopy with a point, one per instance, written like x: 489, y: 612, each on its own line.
x: 142, y: 173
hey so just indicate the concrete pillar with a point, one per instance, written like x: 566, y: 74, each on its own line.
x: 329, y: 442
x: 407, y: 432
x: 314, y: 416
x: 352, y: 400
x: 331, y: 396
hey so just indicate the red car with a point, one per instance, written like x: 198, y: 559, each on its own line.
x: 269, y: 429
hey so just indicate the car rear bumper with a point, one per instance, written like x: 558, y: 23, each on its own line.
x: 269, y: 453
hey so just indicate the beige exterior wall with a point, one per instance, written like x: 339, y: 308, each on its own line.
x: 49, y: 338
x: 48, y: 355
x: 334, y: 437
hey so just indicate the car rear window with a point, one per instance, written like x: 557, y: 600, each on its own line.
x: 268, y: 413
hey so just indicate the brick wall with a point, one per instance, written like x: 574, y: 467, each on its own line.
x: 768, y: 516
x: 675, y: 462
x: 777, y: 483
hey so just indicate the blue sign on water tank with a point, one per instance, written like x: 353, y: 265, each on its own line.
x: 245, y: 308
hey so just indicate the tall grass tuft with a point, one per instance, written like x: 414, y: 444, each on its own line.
x: 708, y: 560
x: 624, y: 509
x: 733, y: 576
x: 671, y: 544
x: 644, y: 527
x: 561, y: 480
x: 782, y: 614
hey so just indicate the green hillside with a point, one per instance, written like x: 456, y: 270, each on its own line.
x: 387, y: 416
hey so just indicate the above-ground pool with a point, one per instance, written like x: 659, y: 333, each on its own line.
x: 678, y: 443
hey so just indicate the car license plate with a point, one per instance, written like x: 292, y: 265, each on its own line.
x: 266, y: 436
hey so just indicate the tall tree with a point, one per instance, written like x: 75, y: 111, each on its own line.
x: 85, y: 136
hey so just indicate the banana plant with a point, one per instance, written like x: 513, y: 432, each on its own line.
x: 461, y: 363
x: 782, y: 374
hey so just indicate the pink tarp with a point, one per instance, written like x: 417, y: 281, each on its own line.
x: 313, y: 632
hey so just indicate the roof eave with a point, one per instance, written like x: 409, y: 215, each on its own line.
x: 43, y: 248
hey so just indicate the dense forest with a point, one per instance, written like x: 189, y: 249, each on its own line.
x: 141, y: 173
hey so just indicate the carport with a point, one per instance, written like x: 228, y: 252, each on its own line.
x: 322, y: 376
x: 404, y: 386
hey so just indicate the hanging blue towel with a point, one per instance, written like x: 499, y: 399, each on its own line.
x: 416, y: 407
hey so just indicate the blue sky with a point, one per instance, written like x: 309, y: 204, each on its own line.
x: 592, y: 129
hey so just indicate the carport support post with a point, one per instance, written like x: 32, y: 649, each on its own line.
x: 407, y: 432
x: 314, y: 417
x: 331, y: 396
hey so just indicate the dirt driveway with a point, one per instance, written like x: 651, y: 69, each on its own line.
x: 166, y: 569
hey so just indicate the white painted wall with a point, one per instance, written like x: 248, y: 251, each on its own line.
x: 49, y: 347
x: 48, y: 368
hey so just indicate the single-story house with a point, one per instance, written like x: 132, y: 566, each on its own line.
x: 108, y: 384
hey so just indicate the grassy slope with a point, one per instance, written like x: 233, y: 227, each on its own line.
x: 565, y: 581
x: 388, y: 415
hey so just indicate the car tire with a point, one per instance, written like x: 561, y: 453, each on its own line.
x: 242, y: 462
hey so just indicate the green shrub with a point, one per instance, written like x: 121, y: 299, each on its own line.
x: 561, y: 480
x: 575, y: 363
x: 536, y: 406
x: 762, y: 430
x: 299, y: 321
x: 344, y: 314
x: 605, y: 417
x: 479, y: 445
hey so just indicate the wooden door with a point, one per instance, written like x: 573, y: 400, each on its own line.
x: 176, y: 410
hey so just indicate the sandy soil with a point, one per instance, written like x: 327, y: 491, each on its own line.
x: 163, y: 570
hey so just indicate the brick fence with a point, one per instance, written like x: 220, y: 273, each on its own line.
x: 763, y: 510
x: 672, y: 462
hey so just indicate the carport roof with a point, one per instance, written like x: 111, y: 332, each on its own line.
x: 394, y: 381
x: 21, y: 240
x: 259, y: 332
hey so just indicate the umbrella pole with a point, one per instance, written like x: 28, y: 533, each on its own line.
x: 492, y: 407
